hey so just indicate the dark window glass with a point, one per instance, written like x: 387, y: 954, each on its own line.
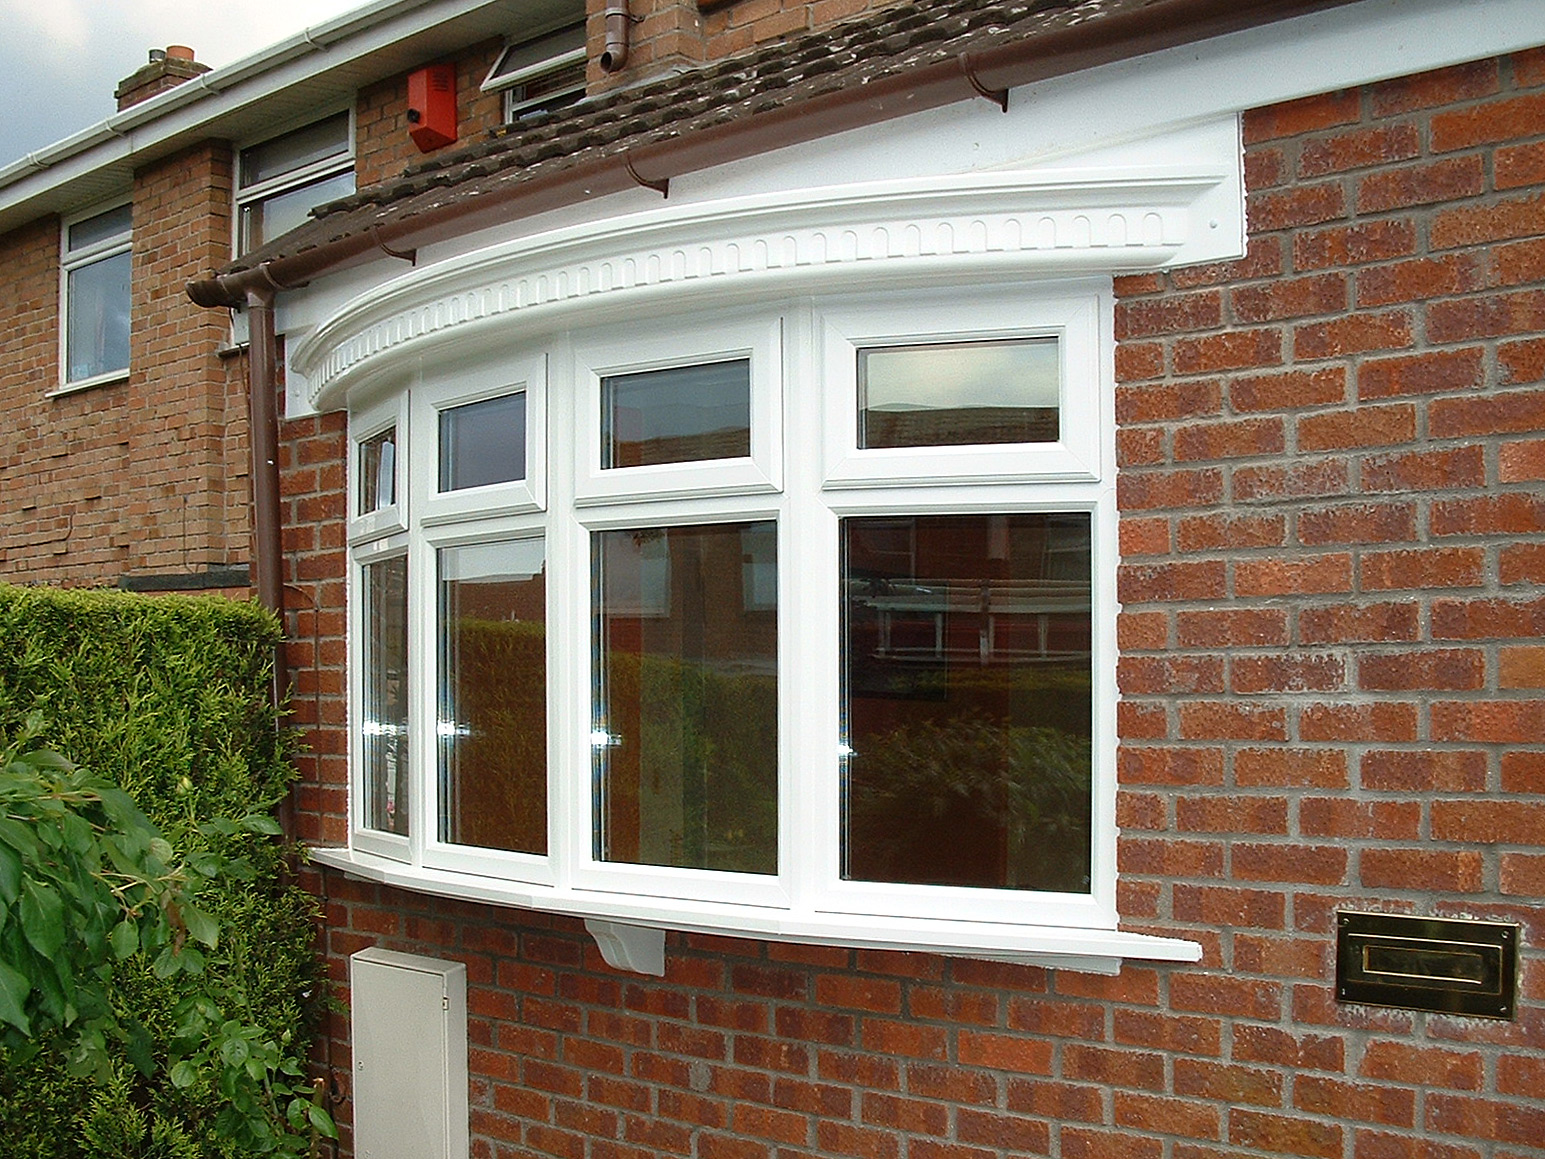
x: 959, y: 393
x: 492, y: 724
x: 680, y: 415
x: 967, y: 700
x: 378, y: 471
x: 483, y: 442
x: 686, y: 736
x: 294, y: 151
x: 269, y: 217
x: 97, y: 341
x: 102, y: 227
x: 385, y: 725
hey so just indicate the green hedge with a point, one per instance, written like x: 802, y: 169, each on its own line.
x: 167, y: 696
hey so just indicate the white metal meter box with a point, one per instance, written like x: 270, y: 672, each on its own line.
x: 410, y: 1056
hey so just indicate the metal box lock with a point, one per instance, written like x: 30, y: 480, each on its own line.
x: 1444, y: 965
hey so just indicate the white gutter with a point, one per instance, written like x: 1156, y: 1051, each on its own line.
x: 303, y: 56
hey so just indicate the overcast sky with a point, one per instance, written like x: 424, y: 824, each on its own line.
x: 60, y: 60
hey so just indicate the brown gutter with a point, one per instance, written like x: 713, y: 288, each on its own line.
x: 991, y: 71
x: 263, y: 424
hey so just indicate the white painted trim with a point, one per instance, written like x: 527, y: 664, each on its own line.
x: 977, y: 226
x: 1096, y: 951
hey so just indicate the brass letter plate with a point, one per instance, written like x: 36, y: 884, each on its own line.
x: 1438, y: 964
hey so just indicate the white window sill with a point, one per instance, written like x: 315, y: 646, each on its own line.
x: 110, y: 377
x: 630, y: 931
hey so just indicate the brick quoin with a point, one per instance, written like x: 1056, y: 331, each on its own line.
x: 1332, y: 698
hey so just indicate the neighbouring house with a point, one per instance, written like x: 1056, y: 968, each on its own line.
x: 915, y: 583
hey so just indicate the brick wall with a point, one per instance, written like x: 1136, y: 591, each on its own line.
x: 681, y: 33
x: 381, y: 142
x: 1334, y: 552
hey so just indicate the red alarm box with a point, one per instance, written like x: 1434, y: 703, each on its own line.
x: 432, y: 106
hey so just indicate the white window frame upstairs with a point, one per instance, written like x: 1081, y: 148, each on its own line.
x: 245, y: 196
x: 72, y: 261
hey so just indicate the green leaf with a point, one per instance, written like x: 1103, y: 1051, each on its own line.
x: 124, y: 939
x: 322, y: 1121
x: 18, y: 837
x: 201, y: 926
x: 42, y: 918
x: 261, y: 823
x: 10, y: 874
x: 14, y: 989
x: 184, y: 1075
x: 140, y: 1049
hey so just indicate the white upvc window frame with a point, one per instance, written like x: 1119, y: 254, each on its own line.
x: 73, y: 261
x: 334, y: 165
x: 806, y: 473
x: 511, y: 82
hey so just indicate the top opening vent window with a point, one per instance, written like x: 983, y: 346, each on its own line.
x: 540, y: 75
x: 279, y: 181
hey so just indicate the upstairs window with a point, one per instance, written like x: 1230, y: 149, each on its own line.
x: 94, y: 296
x: 540, y: 74
x: 279, y: 181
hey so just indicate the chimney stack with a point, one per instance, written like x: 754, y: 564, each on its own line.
x: 168, y: 68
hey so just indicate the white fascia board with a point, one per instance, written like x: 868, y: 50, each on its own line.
x: 189, y: 110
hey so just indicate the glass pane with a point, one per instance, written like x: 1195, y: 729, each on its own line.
x: 959, y: 393
x: 385, y: 717
x: 264, y: 220
x: 679, y: 415
x: 522, y: 58
x: 493, y: 696
x: 292, y: 151
x: 483, y: 443
x: 103, y: 227
x: 98, y: 311
x: 967, y: 700
x: 686, y: 732
x: 378, y: 471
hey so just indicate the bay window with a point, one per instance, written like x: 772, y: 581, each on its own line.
x: 795, y: 620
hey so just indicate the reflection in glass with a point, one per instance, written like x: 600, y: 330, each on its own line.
x: 97, y: 340
x: 959, y: 393
x: 492, y: 726
x: 378, y: 471
x: 680, y: 415
x: 384, y: 743
x: 294, y: 151
x: 268, y: 218
x: 483, y: 442
x: 100, y: 227
x: 686, y: 731
x: 967, y: 700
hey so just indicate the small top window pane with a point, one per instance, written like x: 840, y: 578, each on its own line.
x: 105, y: 226
x: 959, y: 393
x: 483, y: 443
x: 294, y: 151
x: 378, y: 471
x: 682, y: 414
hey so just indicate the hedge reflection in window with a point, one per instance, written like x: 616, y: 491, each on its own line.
x: 385, y: 695
x: 492, y: 727
x: 686, y: 740
x: 967, y: 700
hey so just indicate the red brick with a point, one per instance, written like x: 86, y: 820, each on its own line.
x: 1263, y: 259
x: 1489, y: 822
x: 1488, y: 123
x: 1446, y: 871
x: 1248, y: 438
x: 1289, y: 390
x: 1450, y: 669
x: 1498, y: 722
x: 1223, y: 720
x: 1522, y: 563
x: 1463, y: 319
x: 1426, y: 184
x: 1232, y: 350
x: 1321, y: 1095
x: 1225, y: 529
x: 1289, y: 298
x: 1169, y: 675
x: 1284, y: 1134
x: 1314, y: 574
x: 1156, y: 490
x: 1232, y: 814
x: 1310, y: 479
x: 1519, y: 217
x: 1003, y: 1052
x: 1361, y: 523
x: 1480, y: 619
x: 1181, y: 1117
x: 1429, y: 771
x: 1356, y: 244
x: 1168, y: 402
x: 1521, y: 462
x: 1311, y: 864
x: 1307, y: 115
x: 1173, y: 314
x: 1516, y: 513
x: 1232, y: 627
x: 1367, y: 426
x: 1229, y: 906
x: 1353, y: 623
x: 1427, y: 373
x: 1424, y: 568
x: 1341, y: 817
x: 1426, y: 1066
x: 1472, y: 1118
x: 1170, y: 766
x: 1518, y: 264
x: 1523, y: 875
x: 1270, y: 1044
x: 1419, y: 279
x: 1144, y: 583
x: 1514, y: 166
x: 1521, y: 667
x: 1383, y: 721
x: 1231, y: 997
x: 1323, y: 768
x: 1309, y: 672
x: 1354, y: 334
x: 1382, y: 144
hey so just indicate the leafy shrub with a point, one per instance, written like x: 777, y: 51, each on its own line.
x: 166, y: 698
